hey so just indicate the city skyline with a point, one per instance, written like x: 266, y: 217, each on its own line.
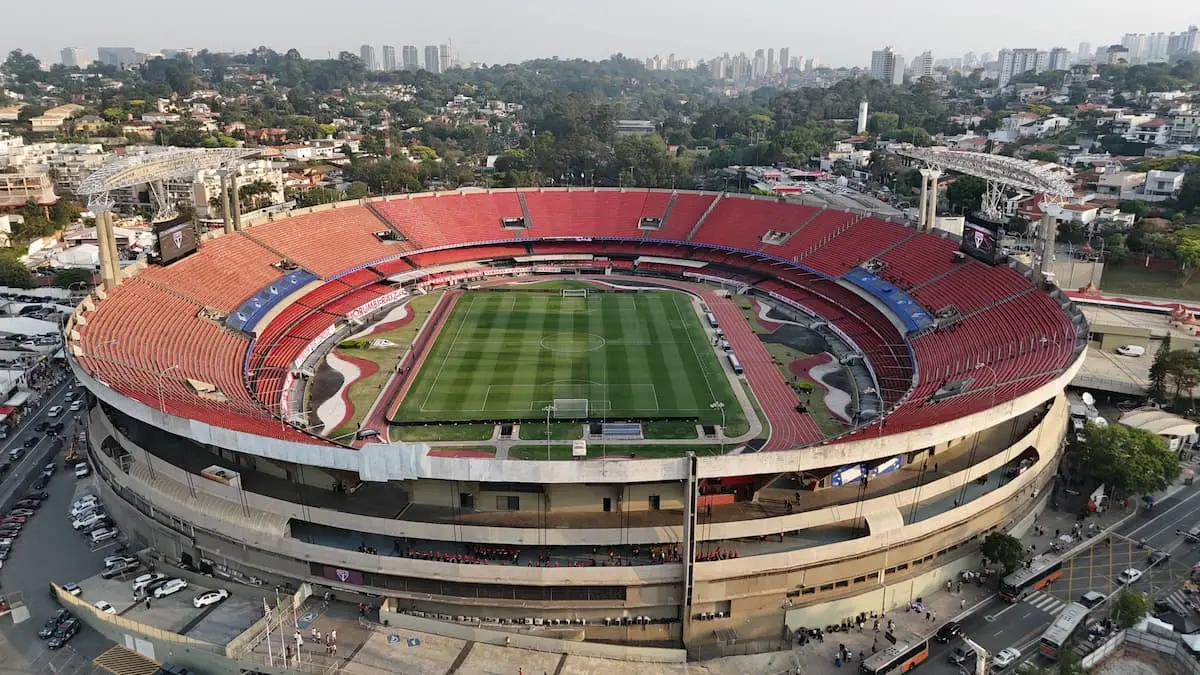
x: 484, y: 32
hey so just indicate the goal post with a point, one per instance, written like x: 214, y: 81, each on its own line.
x: 570, y: 408
x: 574, y: 292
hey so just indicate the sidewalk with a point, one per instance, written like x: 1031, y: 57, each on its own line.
x: 955, y: 603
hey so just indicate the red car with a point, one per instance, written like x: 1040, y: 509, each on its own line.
x: 13, y: 519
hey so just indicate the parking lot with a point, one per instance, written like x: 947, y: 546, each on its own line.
x: 47, y: 549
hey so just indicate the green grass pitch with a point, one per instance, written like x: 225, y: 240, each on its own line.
x: 507, y: 355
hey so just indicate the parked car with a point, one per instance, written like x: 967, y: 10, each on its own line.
x: 1131, y: 350
x: 87, y: 520
x: 209, y: 598
x: 49, y: 469
x: 104, y: 534
x: 41, y: 483
x: 64, y: 633
x: 172, y: 586
x: 147, y: 579
x: 105, y: 607
x: 37, y: 496
x: 82, y: 470
x: 114, y: 560
x: 21, y: 512
x: 52, y: 624
x: 73, y: 589
x: 28, y: 504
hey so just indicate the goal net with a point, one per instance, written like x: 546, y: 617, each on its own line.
x: 570, y: 408
x: 574, y: 292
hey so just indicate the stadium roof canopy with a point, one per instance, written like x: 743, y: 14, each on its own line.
x: 1016, y: 173
x: 1158, y: 422
x: 147, y: 168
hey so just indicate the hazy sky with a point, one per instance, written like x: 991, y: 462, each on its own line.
x: 836, y: 33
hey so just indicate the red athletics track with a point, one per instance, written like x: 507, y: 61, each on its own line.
x: 789, y: 428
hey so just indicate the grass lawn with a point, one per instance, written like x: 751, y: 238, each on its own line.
x: 555, y: 285
x: 444, y: 432
x: 559, y: 431
x: 563, y: 452
x: 827, y: 421
x: 1133, y: 280
x: 362, y: 394
x: 504, y: 355
x: 657, y: 430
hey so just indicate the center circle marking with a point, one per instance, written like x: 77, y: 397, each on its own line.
x: 573, y: 343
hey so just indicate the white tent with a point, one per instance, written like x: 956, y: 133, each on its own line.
x: 84, y: 255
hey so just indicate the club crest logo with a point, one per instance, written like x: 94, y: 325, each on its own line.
x: 343, y: 575
x: 177, y: 237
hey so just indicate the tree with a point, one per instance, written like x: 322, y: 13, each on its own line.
x: 841, y: 168
x: 1158, y: 370
x: 1136, y: 207
x: 1188, y: 253
x: 15, y: 274
x: 1128, y: 461
x: 357, y: 190
x: 883, y: 122
x: 1130, y: 607
x: 1045, y: 156
x: 965, y: 194
x: 71, y: 276
x: 1189, y: 194
x: 1004, y: 549
x: 1183, y: 370
x: 319, y: 195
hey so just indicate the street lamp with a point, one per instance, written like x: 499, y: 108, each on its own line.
x: 720, y: 405
x: 162, y: 406
x: 549, y: 409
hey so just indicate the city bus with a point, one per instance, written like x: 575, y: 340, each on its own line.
x: 899, y: 658
x: 1041, y: 571
x: 1071, y: 618
x: 734, y: 363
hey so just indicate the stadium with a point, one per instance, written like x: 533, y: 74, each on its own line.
x: 707, y: 419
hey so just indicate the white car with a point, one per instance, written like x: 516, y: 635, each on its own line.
x: 209, y: 598
x: 147, y: 579
x: 82, y: 470
x: 104, y: 534
x: 114, y: 560
x: 76, y: 406
x: 87, y: 520
x: 105, y: 607
x: 73, y: 589
x: 172, y: 586
x: 83, y: 505
x: 54, y: 412
x: 1005, y: 658
x: 1129, y: 576
x: 1131, y: 350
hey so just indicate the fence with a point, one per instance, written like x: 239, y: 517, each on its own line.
x: 1166, y: 645
x: 284, y: 617
x: 736, y: 648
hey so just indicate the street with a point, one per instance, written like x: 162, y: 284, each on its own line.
x: 998, y: 624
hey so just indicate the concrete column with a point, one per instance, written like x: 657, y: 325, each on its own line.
x: 1047, y: 230
x: 114, y: 260
x: 103, y: 232
x: 237, y: 203
x: 923, y: 209
x: 225, y: 219
x: 931, y: 219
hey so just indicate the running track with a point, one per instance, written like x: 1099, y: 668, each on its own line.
x: 789, y: 429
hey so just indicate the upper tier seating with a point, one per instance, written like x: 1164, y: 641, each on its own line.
x: 244, y: 267
x: 918, y: 260
x: 434, y: 221
x: 741, y: 223
x: 683, y: 216
x: 453, y: 255
x: 855, y: 246
x: 306, y: 239
x: 599, y: 213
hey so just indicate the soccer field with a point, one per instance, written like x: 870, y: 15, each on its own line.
x: 509, y: 355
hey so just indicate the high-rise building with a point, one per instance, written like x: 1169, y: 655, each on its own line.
x: 389, y: 58
x: 433, y: 62
x: 758, y: 66
x: 770, y: 61
x: 887, y: 65
x: 72, y: 57
x: 785, y: 62
x: 922, y: 66
x: 970, y: 60
x: 367, y: 54
x: 1084, y: 53
x: 117, y: 56
x: 411, y: 58
x: 1060, y: 59
x: 1014, y: 62
x: 443, y: 58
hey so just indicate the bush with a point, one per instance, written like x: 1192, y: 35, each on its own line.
x: 354, y: 344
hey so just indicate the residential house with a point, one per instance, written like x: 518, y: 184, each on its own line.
x: 1185, y: 127
x: 54, y: 118
x: 90, y: 124
x: 1150, y: 132
x: 1121, y: 123
x: 1162, y: 185
x: 1119, y: 184
x: 10, y: 113
x: 1044, y: 126
x: 161, y: 117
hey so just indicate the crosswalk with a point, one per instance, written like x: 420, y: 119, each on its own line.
x: 1045, y: 602
x: 1178, y: 601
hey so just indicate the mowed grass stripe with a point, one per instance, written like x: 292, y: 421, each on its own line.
x: 477, y: 365
x: 449, y: 386
x: 673, y: 368
x: 624, y: 400
x: 598, y: 362
x: 618, y: 367
x: 436, y: 362
x: 518, y: 360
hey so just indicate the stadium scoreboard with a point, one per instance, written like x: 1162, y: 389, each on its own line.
x: 175, y: 240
